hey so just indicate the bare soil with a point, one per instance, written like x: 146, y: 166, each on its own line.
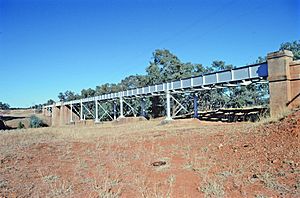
x: 184, y: 158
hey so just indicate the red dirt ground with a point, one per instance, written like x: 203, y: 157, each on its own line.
x: 208, y: 160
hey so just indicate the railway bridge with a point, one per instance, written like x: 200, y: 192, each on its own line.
x: 280, y: 71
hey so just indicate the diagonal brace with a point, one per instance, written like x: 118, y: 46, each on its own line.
x: 88, y: 111
x: 131, y: 108
x: 181, y: 106
x: 105, y: 112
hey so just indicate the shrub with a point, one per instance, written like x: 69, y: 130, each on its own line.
x: 21, y: 125
x: 35, y: 122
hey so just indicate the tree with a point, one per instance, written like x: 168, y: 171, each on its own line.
x: 50, y: 102
x: 218, y: 65
x: 4, y: 106
x: 199, y: 69
x: 87, y: 93
x: 153, y: 73
x: 292, y: 46
x: 261, y: 59
x: 165, y: 67
x: 67, y: 96
x: 35, y: 122
x: 134, y: 81
x: 61, y: 96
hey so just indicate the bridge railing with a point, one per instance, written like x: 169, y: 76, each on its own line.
x: 233, y: 76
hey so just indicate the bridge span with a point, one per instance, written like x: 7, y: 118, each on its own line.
x: 280, y: 71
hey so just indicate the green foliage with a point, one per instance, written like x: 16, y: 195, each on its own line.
x: 50, y: 102
x: 69, y: 95
x: 261, y: 59
x: 165, y: 67
x: 108, y: 88
x: 218, y: 65
x: 21, y: 125
x: 292, y: 46
x: 35, y: 122
x: 4, y: 106
x: 87, y: 93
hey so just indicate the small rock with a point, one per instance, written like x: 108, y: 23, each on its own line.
x: 254, y: 176
x: 159, y: 163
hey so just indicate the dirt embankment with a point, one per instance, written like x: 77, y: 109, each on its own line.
x: 185, y: 158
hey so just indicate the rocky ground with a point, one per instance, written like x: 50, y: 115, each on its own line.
x: 185, y: 158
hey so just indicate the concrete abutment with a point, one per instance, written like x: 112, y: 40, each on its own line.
x: 284, y: 81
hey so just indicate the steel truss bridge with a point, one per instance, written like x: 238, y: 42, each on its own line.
x: 241, y: 76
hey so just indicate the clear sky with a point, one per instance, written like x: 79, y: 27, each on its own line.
x: 50, y: 46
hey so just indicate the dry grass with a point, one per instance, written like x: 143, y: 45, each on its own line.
x: 115, y: 132
x: 116, y: 159
x: 212, y: 189
x: 271, y: 119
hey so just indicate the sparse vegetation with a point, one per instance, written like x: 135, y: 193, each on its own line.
x: 212, y: 189
x: 145, y: 159
x: 21, y: 125
x: 35, y: 122
x: 4, y: 106
x: 265, y: 119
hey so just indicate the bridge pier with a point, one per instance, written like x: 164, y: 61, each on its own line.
x: 168, y: 96
x: 195, y: 105
x: 115, y: 110
x: 71, y: 115
x: 143, y: 111
x: 62, y: 115
x: 55, y: 115
x: 96, y: 112
x: 81, y: 110
x: 121, y: 108
x: 284, y: 81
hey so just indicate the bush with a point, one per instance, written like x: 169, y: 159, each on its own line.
x: 4, y: 106
x: 35, y: 122
x: 21, y: 125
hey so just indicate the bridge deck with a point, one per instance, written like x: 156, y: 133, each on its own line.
x: 255, y: 72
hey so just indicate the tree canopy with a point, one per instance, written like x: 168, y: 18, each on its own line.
x: 165, y: 66
x: 4, y: 106
x: 292, y: 46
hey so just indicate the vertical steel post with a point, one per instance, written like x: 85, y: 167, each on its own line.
x: 143, y: 111
x: 71, y: 113
x: 121, y: 107
x: 195, y: 106
x: 81, y: 110
x: 96, y: 111
x: 115, y: 110
x: 168, y: 96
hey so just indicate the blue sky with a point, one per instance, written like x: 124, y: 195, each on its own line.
x: 51, y: 46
